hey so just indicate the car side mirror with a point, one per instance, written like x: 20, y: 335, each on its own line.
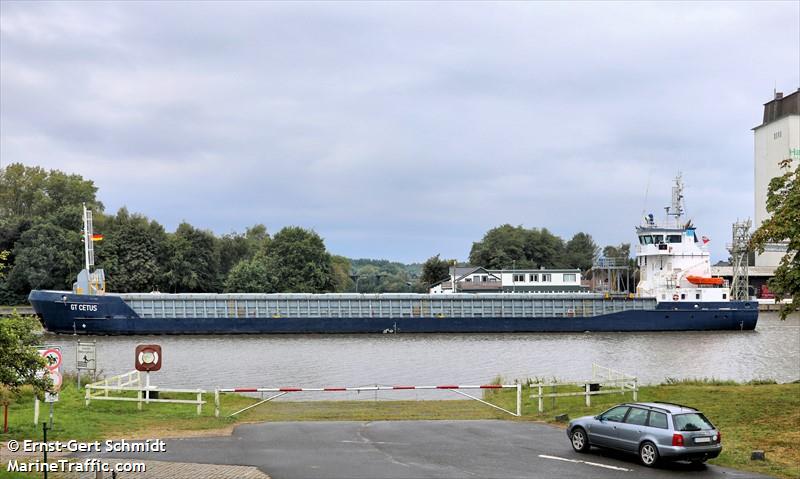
x: 600, y: 418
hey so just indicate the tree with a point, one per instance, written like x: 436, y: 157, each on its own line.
x: 501, y: 247
x: 783, y: 205
x: 434, y: 270
x: 509, y: 246
x: 580, y: 251
x: 235, y: 247
x: 543, y: 249
x: 254, y: 275
x: 31, y: 191
x: 193, y: 263
x: 46, y: 257
x: 19, y: 360
x: 132, y: 252
x: 340, y: 270
x: 300, y: 261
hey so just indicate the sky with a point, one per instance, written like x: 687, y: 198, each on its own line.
x: 399, y: 130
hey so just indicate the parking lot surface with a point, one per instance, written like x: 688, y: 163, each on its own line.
x: 416, y: 449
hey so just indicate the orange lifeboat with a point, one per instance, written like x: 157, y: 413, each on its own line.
x: 705, y: 281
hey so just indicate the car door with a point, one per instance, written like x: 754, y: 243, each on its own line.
x: 630, y: 431
x: 603, y: 430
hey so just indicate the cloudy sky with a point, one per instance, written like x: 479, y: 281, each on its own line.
x: 399, y: 130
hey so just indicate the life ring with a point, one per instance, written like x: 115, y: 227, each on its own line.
x: 675, y: 297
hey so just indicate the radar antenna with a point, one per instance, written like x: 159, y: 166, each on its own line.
x: 676, y: 209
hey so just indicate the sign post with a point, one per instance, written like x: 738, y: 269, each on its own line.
x: 148, y: 358
x: 54, y: 359
x: 85, y: 358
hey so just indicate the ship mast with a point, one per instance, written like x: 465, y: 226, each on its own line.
x: 88, y: 246
x: 676, y: 209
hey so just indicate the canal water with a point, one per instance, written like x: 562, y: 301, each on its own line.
x: 771, y: 351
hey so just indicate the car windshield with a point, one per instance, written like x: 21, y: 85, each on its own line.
x: 692, y: 422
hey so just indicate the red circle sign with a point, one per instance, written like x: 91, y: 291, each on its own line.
x: 53, y: 358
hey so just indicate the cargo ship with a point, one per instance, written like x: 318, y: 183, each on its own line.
x: 676, y: 292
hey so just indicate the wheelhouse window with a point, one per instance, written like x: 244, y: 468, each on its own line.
x: 519, y: 278
x: 674, y: 238
x: 569, y: 277
x: 546, y: 277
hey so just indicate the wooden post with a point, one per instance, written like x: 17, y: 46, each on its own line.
x: 588, y: 397
x: 199, y: 402
x: 216, y: 403
x: 36, y: 411
x: 139, y: 397
x: 541, y: 399
x: 519, y: 400
x: 88, y: 395
x: 635, y: 390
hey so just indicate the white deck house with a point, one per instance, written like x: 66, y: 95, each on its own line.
x: 480, y: 280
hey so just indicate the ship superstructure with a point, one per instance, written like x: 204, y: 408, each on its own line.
x: 674, y: 264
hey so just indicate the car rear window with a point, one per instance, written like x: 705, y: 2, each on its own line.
x: 637, y: 416
x: 658, y: 419
x: 691, y: 422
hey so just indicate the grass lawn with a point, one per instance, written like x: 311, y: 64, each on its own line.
x: 765, y: 417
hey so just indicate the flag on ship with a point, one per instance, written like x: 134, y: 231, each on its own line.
x: 95, y: 237
x: 705, y: 239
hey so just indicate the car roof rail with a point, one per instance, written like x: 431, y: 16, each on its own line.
x: 675, y: 404
x: 645, y: 405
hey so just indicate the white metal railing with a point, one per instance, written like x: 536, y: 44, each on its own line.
x: 604, y: 381
x: 454, y: 388
x: 132, y: 381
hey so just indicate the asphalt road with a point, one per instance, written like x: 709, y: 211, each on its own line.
x: 416, y: 449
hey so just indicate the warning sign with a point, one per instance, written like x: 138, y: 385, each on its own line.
x: 53, y: 357
x: 86, y: 356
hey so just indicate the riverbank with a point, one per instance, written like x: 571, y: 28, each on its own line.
x: 751, y: 416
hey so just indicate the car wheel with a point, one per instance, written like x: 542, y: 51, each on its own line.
x: 580, y: 442
x: 648, y: 454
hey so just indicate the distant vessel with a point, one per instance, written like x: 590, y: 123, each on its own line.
x: 675, y: 293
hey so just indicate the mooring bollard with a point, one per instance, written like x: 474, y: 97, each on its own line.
x: 216, y: 403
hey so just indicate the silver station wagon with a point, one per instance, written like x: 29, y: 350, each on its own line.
x: 653, y: 430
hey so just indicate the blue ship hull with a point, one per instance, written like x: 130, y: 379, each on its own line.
x: 62, y: 312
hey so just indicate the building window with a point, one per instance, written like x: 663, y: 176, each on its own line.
x: 546, y: 277
x: 569, y: 277
x: 519, y: 278
x: 468, y: 280
x: 533, y: 278
x: 777, y: 135
x: 484, y: 278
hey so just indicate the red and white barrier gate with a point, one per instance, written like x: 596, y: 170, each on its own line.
x: 286, y: 390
